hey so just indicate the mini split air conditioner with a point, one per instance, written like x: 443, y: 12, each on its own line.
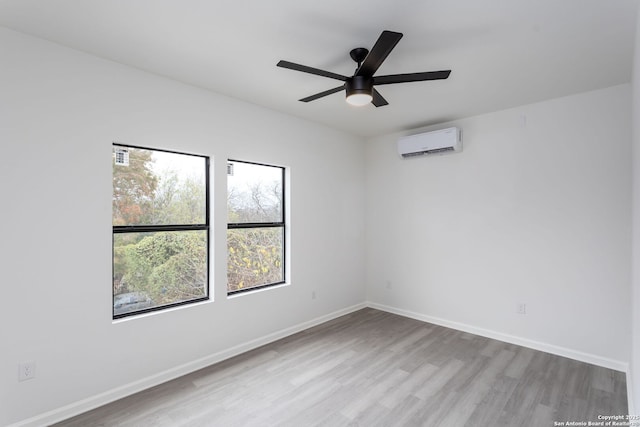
x: 438, y: 141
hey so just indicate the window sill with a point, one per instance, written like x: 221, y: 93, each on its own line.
x: 255, y: 291
x: 158, y: 312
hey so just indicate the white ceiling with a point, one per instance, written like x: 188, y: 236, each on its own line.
x: 503, y: 53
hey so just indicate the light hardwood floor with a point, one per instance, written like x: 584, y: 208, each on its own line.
x: 372, y: 368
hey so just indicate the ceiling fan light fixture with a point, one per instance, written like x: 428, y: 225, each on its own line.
x: 359, y: 99
x: 359, y: 90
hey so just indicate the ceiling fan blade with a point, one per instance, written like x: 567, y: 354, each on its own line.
x: 378, y: 53
x: 378, y: 100
x: 322, y: 94
x: 411, y: 77
x: 311, y: 70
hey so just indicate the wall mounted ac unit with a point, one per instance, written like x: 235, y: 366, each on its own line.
x: 438, y: 141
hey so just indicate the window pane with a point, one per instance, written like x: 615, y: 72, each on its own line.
x: 158, y: 188
x: 255, y: 257
x: 152, y: 269
x: 254, y: 193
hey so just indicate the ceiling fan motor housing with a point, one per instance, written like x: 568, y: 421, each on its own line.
x: 359, y: 85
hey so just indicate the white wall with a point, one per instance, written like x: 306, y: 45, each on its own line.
x: 635, y: 284
x: 536, y: 209
x: 60, y: 111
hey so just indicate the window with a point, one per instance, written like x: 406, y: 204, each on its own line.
x: 160, y: 229
x: 255, y: 232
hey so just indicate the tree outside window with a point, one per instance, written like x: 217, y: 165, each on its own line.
x: 255, y: 230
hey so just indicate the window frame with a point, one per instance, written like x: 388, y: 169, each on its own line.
x: 122, y: 229
x: 251, y: 225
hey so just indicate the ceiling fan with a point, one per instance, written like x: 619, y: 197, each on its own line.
x: 360, y: 87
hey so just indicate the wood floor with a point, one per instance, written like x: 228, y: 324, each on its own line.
x: 372, y: 368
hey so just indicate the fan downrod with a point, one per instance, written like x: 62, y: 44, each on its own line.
x: 358, y: 54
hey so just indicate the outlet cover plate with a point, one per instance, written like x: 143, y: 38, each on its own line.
x: 26, y: 371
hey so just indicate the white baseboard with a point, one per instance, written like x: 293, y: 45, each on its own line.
x: 512, y: 339
x: 109, y: 396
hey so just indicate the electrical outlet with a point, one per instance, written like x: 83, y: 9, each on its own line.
x: 389, y: 284
x: 313, y: 294
x: 521, y: 308
x: 26, y: 371
x: 522, y: 121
